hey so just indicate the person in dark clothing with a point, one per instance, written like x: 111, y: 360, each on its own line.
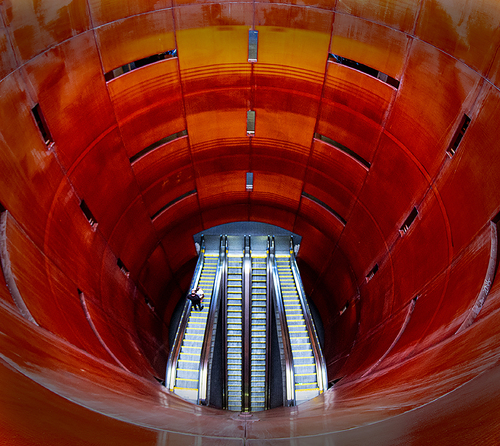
x: 196, y: 297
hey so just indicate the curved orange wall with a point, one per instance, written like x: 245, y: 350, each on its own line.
x: 420, y: 334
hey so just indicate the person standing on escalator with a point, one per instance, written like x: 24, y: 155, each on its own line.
x: 196, y: 297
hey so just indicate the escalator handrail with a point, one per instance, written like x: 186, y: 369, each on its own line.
x: 224, y: 323
x: 206, y: 351
x: 285, y: 338
x: 311, y: 329
x: 268, y: 325
x: 181, y: 328
x: 246, y: 274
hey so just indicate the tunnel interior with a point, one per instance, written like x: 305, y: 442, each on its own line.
x: 367, y: 127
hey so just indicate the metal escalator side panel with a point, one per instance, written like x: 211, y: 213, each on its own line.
x: 268, y: 325
x: 181, y: 328
x: 246, y: 326
x: 224, y: 324
x: 322, y: 377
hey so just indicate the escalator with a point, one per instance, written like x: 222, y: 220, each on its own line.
x: 234, y: 325
x: 248, y: 279
x: 304, y: 362
x: 259, y: 373
x: 185, y: 376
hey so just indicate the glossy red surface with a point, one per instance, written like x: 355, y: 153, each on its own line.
x: 415, y: 353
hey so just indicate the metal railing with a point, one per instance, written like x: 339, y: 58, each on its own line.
x: 246, y: 325
x: 269, y: 271
x: 224, y: 324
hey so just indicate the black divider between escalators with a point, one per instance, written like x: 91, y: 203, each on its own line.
x: 275, y: 376
x: 217, y: 374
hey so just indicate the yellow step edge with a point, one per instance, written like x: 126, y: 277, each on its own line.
x: 307, y: 390
x: 184, y: 388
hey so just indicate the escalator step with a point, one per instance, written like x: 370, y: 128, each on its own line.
x: 187, y: 373
x: 233, y: 323
x: 255, y: 350
x: 234, y: 367
x: 306, y: 386
x: 189, y: 357
x: 258, y: 366
x: 185, y: 382
x: 190, y: 350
